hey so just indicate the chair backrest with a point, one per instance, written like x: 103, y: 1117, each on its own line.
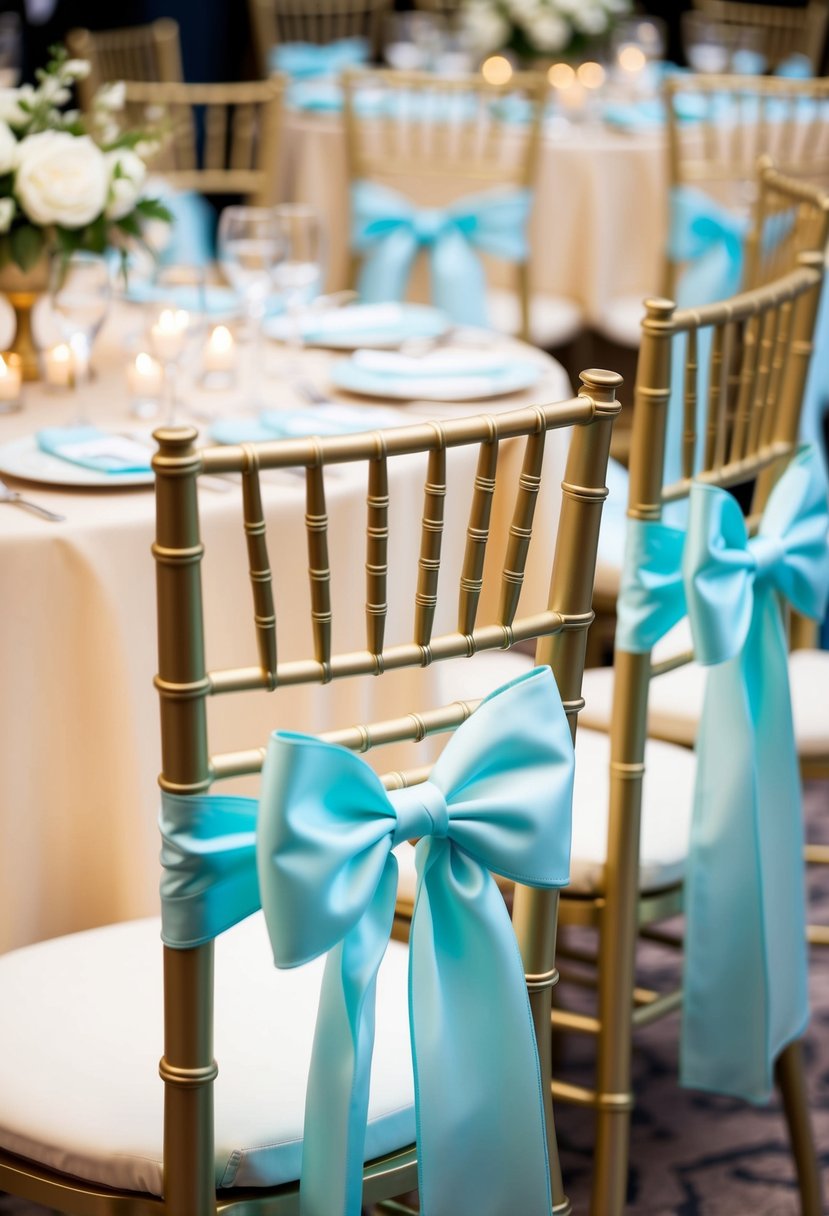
x: 216, y: 138
x: 719, y: 126
x: 185, y: 684
x: 317, y: 21
x: 791, y: 217
x: 140, y: 52
x: 783, y: 29
x: 444, y: 136
x: 760, y: 344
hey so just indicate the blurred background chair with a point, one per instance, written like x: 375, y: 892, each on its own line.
x: 315, y: 21
x: 144, y: 52
x: 216, y: 138
x: 782, y: 30
x: 421, y: 136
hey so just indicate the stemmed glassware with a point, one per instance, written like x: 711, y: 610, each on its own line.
x: 251, y: 247
x: 177, y: 321
x: 80, y: 291
x: 299, y: 276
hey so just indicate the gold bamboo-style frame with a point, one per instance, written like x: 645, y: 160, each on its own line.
x: 140, y: 52
x: 450, y: 129
x: 768, y: 116
x: 760, y: 350
x: 184, y: 684
x: 317, y: 21
x: 785, y: 29
x: 242, y: 121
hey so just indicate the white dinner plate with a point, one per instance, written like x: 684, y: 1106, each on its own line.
x: 378, y: 326
x: 23, y: 458
x: 514, y: 377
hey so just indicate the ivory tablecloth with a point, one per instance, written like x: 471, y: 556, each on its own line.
x: 79, y: 744
x: 599, y: 218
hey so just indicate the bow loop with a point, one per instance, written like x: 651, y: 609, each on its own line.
x: 769, y: 553
x: 429, y: 224
x: 421, y: 811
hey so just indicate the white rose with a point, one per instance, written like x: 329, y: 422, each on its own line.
x: 548, y: 32
x: 125, y: 188
x: 486, y: 28
x: 590, y: 20
x: 6, y: 213
x: 8, y: 149
x: 10, y: 99
x: 77, y: 69
x: 61, y: 179
x: 111, y: 96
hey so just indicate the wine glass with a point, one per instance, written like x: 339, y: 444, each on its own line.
x: 177, y: 323
x: 298, y: 277
x: 80, y: 291
x: 251, y: 246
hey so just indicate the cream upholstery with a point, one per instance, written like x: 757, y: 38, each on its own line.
x: 81, y: 1018
x: 667, y: 798
x: 554, y: 320
x: 675, y: 702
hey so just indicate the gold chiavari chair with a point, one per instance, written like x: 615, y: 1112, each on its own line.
x: 317, y: 21
x: 631, y: 830
x: 784, y: 29
x: 81, y: 1066
x: 440, y: 138
x: 143, y: 52
x: 215, y: 138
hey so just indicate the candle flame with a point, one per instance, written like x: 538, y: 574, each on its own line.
x: 496, y: 70
x: 221, y: 339
x: 561, y: 75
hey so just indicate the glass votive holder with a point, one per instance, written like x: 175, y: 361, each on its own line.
x: 59, y: 369
x: 11, y: 381
x: 220, y: 359
x: 145, y: 380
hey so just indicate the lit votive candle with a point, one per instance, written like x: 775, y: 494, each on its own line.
x: 11, y: 378
x: 145, y: 378
x: 59, y: 362
x: 220, y: 352
x: 168, y: 334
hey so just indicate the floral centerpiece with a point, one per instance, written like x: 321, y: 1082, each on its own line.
x: 68, y: 182
x: 538, y: 28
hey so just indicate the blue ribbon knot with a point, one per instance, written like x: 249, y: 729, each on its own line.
x: 388, y: 231
x: 316, y: 855
x: 745, y: 988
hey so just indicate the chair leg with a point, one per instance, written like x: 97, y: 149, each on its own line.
x: 791, y: 1082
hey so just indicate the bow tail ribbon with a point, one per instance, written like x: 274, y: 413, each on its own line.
x: 745, y: 946
x: 387, y: 265
x: 472, y: 1038
x: 458, y: 278
x: 333, y: 1147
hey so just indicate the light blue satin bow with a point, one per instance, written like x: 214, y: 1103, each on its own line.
x: 745, y: 945
x: 387, y: 231
x: 499, y: 798
x: 309, y: 61
x: 710, y: 238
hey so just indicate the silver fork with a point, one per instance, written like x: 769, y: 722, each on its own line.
x: 16, y: 499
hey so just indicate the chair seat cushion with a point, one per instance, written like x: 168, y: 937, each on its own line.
x: 554, y: 320
x: 621, y: 321
x: 667, y: 800
x: 81, y: 1023
x: 675, y: 702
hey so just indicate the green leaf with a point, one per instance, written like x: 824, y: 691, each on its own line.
x: 96, y: 235
x: 26, y: 245
x: 129, y: 224
x: 153, y: 209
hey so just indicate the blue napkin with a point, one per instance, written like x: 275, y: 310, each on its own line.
x: 309, y: 61
x: 94, y: 449
x: 795, y: 67
x: 297, y: 424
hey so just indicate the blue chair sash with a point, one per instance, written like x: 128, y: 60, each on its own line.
x: 388, y: 231
x: 745, y: 943
x: 310, y: 61
x: 316, y: 854
x: 746, y: 967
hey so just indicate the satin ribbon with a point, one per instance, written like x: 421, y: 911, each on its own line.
x: 745, y: 947
x: 710, y: 238
x: 309, y: 61
x: 388, y: 231
x: 498, y: 799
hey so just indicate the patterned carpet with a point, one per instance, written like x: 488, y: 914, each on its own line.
x: 692, y: 1154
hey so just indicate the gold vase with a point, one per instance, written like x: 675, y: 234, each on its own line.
x: 23, y: 288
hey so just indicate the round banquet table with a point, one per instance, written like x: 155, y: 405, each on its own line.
x: 79, y: 739
x: 599, y: 217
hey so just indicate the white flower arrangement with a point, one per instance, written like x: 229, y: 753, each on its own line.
x: 69, y: 182
x: 538, y: 27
